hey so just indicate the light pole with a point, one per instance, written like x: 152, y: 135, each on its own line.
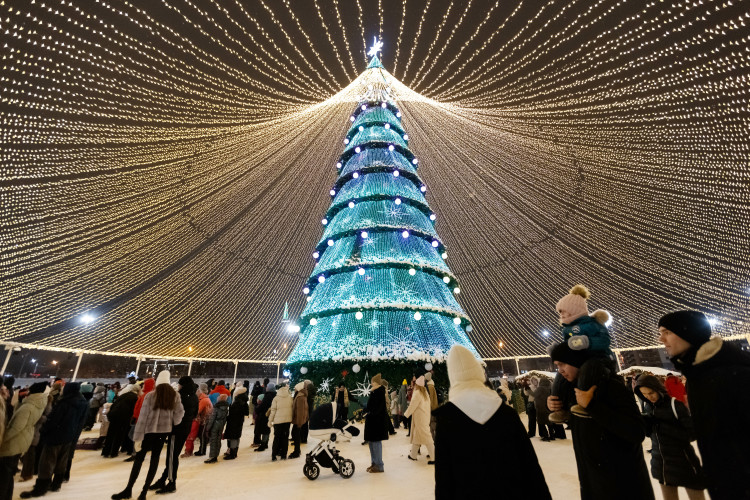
x: 57, y: 372
x: 35, y: 364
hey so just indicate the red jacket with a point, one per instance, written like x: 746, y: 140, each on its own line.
x: 221, y: 390
x: 675, y: 388
x: 148, y: 386
x: 204, y: 408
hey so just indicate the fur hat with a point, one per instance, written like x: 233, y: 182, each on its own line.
x: 420, y: 381
x: 240, y: 390
x: 574, y: 305
x: 564, y: 354
x: 463, y: 366
x: 163, y: 377
x: 691, y: 326
x: 186, y: 381
x: 428, y: 376
x: 270, y: 387
x: 377, y: 380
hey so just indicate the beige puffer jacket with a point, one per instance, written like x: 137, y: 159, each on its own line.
x: 281, y: 407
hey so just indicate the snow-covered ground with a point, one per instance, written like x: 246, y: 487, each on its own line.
x: 253, y: 475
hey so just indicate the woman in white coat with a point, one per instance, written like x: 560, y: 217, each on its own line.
x: 419, y: 410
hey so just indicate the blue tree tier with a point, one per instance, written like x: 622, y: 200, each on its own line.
x: 381, y: 289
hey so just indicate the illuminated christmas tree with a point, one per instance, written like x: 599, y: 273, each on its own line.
x: 381, y: 290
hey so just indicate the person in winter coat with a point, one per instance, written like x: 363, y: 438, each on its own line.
x: 119, y: 416
x: 198, y: 427
x: 607, y: 441
x: 238, y: 410
x: 280, y: 417
x: 128, y: 444
x: 168, y: 482
x: 376, y: 424
x: 311, y: 392
x: 673, y: 459
x: 62, y: 426
x: 220, y: 388
x: 675, y: 388
x: 430, y: 384
x: 420, y: 412
x: 403, y: 403
x: 95, y: 405
x: 160, y: 411
x: 529, y: 391
x: 3, y: 421
x: 543, y: 391
x: 341, y: 397
x: 261, y: 422
x: 29, y: 460
x: 215, y: 427
x: 300, y: 416
x: 395, y: 410
x: 471, y: 429
x: 718, y: 377
x: 18, y: 435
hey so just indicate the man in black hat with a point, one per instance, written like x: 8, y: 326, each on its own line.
x: 607, y: 437
x: 718, y: 382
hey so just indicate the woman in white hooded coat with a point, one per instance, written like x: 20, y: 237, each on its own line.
x: 420, y: 411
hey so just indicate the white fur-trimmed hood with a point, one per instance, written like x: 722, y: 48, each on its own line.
x: 708, y: 350
x: 476, y: 400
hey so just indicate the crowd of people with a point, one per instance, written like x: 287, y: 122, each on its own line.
x: 468, y: 435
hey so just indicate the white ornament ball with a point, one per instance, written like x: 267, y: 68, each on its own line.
x: 359, y: 315
x: 456, y: 320
x: 428, y: 366
x: 313, y: 321
x: 356, y: 368
x: 417, y: 315
x: 412, y: 271
x: 469, y: 328
x: 303, y: 370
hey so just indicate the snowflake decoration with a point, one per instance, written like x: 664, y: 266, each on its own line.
x: 374, y: 324
x: 345, y: 288
x: 364, y: 389
x: 368, y: 242
x: 377, y: 46
x: 325, y: 385
x: 405, y: 294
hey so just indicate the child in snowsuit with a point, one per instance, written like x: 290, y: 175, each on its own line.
x: 582, y: 332
x: 215, y: 427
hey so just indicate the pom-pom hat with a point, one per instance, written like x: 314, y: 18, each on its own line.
x: 574, y: 305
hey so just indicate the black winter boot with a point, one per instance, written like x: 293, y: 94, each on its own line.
x: 233, y: 454
x: 56, y: 483
x: 123, y: 495
x: 170, y: 487
x: 40, y: 489
x: 158, y: 485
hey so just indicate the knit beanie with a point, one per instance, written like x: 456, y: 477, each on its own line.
x: 463, y: 366
x: 186, y: 381
x: 691, y: 326
x: 163, y: 377
x: 298, y: 387
x: 420, y: 381
x: 563, y: 353
x: 428, y: 376
x: 574, y: 305
x: 37, y: 388
x: 270, y: 387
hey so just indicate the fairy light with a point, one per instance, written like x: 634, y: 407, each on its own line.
x: 145, y: 154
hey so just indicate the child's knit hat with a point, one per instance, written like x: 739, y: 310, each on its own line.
x: 574, y: 305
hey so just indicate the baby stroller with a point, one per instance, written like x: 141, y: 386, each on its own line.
x: 325, y: 427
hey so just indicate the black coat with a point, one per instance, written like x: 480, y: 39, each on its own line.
x: 469, y: 463
x: 608, y: 448
x: 376, y: 421
x: 65, y: 422
x: 261, y: 422
x: 673, y: 459
x: 238, y: 410
x: 717, y: 388
x: 190, y: 402
x: 122, y: 408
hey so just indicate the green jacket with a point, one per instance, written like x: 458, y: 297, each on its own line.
x: 20, y: 431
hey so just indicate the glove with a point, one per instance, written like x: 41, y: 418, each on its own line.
x: 578, y: 342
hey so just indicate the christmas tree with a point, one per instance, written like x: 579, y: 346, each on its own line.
x: 381, y: 290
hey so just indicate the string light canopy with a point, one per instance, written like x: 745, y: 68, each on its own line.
x: 165, y: 166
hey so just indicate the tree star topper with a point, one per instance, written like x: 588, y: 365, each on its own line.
x: 377, y: 46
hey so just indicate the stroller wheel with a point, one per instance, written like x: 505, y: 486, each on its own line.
x: 312, y: 471
x: 346, y: 468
